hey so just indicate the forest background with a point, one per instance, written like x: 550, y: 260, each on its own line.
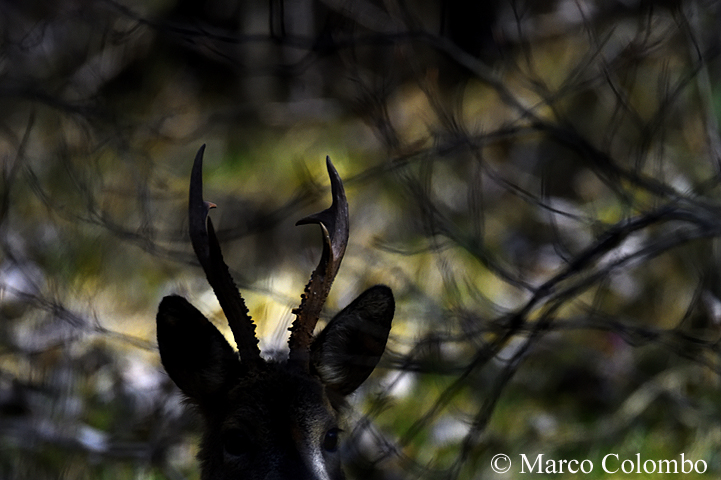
x: 539, y: 183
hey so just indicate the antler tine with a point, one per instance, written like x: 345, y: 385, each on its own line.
x: 207, y: 249
x: 334, y: 228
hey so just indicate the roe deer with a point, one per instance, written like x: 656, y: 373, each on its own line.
x: 272, y: 419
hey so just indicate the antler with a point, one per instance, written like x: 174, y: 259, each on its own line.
x: 207, y: 249
x: 334, y: 228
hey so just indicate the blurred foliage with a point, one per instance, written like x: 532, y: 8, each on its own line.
x: 537, y: 181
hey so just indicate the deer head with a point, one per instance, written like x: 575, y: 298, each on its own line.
x: 272, y: 419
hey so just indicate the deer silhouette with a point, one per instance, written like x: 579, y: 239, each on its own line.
x: 271, y: 419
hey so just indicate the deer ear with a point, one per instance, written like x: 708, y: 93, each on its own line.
x: 194, y: 353
x: 347, y: 350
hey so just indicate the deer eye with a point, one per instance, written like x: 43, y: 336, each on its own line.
x: 330, y: 441
x: 236, y: 442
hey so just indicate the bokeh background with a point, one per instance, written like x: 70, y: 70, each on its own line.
x: 539, y: 183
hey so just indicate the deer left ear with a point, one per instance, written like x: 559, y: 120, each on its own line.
x: 348, y: 349
x: 194, y: 353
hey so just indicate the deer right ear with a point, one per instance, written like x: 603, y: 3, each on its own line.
x: 194, y: 353
x: 348, y: 349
